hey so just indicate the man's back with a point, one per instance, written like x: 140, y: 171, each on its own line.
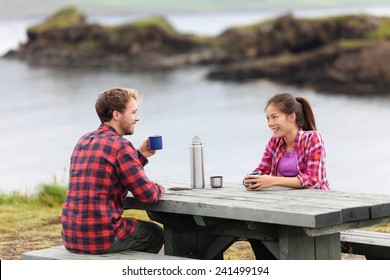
x: 104, y: 167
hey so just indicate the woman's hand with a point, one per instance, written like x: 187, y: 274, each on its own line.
x: 258, y: 182
x: 144, y: 149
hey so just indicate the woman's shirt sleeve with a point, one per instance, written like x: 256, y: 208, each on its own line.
x: 313, y: 161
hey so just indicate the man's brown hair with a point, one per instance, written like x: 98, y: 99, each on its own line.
x: 114, y: 99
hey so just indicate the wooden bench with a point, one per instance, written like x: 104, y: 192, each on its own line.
x: 373, y: 245
x: 60, y: 253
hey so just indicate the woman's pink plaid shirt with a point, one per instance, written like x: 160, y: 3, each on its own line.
x: 310, y: 155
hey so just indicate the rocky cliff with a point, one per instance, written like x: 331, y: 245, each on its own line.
x: 67, y: 39
x: 344, y: 54
x: 339, y: 54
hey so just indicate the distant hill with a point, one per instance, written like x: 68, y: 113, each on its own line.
x: 12, y: 8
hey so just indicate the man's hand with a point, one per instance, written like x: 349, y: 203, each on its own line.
x: 144, y: 149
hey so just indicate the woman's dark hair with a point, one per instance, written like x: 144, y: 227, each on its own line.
x: 289, y: 104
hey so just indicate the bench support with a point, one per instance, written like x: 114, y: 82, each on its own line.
x: 373, y: 245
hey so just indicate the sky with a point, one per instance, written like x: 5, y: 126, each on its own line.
x: 18, y: 8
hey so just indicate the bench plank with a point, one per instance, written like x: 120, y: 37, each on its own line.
x: 374, y: 245
x: 60, y: 253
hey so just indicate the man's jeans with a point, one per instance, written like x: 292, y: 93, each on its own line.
x: 147, y: 237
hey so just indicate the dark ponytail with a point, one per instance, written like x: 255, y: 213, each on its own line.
x: 307, y: 121
x: 288, y: 104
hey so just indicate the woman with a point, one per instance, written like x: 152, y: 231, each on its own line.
x: 294, y: 156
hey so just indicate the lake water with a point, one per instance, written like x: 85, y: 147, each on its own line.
x: 44, y: 111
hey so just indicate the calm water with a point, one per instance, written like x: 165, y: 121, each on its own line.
x: 45, y: 110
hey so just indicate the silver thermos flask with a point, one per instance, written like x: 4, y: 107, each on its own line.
x: 197, y: 168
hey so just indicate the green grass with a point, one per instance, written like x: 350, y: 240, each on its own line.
x: 32, y: 222
x: 49, y: 195
x: 383, y: 31
x: 64, y: 18
x: 52, y: 194
x: 155, y: 21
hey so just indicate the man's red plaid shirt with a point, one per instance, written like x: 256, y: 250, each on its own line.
x: 104, y: 167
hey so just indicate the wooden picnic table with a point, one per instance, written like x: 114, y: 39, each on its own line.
x: 293, y: 224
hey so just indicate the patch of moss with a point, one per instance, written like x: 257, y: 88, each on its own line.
x: 125, y: 32
x: 155, y: 21
x: 352, y: 43
x: 64, y: 18
x: 338, y: 18
x: 254, y: 26
x: 382, y: 32
x: 91, y: 45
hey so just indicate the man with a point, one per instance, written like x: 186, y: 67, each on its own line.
x: 104, y: 167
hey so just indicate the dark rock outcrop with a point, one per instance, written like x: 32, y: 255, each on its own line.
x: 344, y: 54
x: 339, y: 54
x: 148, y: 42
x: 287, y: 34
x: 330, y: 68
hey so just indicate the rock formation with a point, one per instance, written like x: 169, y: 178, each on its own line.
x: 338, y: 54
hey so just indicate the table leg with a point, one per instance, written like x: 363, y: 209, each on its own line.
x: 184, y: 237
x: 198, y: 244
x: 180, y: 243
x: 295, y: 245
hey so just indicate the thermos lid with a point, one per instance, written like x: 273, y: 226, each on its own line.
x: 196, y: 140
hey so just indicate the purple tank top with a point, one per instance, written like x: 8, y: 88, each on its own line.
x: 288, y: 164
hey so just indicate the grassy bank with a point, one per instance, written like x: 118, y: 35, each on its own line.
x: 31, y: 222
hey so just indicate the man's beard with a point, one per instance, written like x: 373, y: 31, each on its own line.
x: 127, y: 128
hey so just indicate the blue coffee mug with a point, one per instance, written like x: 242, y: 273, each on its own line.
x: 155, y: 142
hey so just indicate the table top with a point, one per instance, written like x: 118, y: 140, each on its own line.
x: 303, y: 208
